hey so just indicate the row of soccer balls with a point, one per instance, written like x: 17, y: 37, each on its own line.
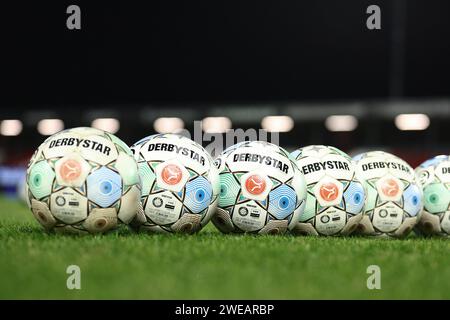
x: 88, y: 181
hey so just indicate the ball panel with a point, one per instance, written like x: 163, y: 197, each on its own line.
x: 129, y: 204
x: 42, y: 214
x: 249, y: 216
x: 331, y: 221
x: 405, y: 228
x: 163, y: 208
x: 229, y: 189
x: 304, y: 229
x: 282, y: 202
x: 104, y: 187
x: 429, y: 224
x: 172, y: 175
x: 101, y: 220
x: 222, y: 220
x: 198, y: 194
x: 71, y: 170
x: 372, y: 197
x: 412, y: 198
x: 352, y: 224
x: 274, y: 227
x: 139, y: 219
x: 127, y: 168
x: 148, y: 177
x: 69, y: 206
x: 354, y: 197
x: 188, y: 223
x: 365, y: 226
x: 387, y: 217
x: 40, y: 179
x: 436, y: 197
x: 310, y: 208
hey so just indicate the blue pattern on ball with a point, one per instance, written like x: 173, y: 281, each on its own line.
x: 412, y: 200
x: 354, y: 197
x: 198, y: 194
x: 104, y: 187
x: 282, y: 202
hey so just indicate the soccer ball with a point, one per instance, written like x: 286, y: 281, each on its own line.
x: 434, y: 175
x: 261, y: 189
x: 180, y: 184
x: 394, y: 196
x: 83, y: 180
x: 335, y: 200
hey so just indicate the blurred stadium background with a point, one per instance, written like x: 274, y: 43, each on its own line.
x: 309, y: 70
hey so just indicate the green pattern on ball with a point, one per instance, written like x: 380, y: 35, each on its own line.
x: 41, y: 179
x: 229, y: 189
x: 436, y: 198
x: 147, y: 176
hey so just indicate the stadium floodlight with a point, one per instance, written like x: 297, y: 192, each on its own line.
x: 168, y: 124
x: 47, y: 127
x: 341, y: 123
x: 11, y: 127
x: 277, y: 123
x: 110, y: 125
x: 409, y: 122
x: 216, y: 124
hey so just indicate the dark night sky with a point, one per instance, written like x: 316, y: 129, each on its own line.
x: 217, y: 51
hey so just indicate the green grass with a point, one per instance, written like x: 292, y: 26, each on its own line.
x: 123, y: 265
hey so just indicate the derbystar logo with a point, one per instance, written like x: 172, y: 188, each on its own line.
x: 169, y: 147
x: 383, y: 165
x: 269, y: 161
x: 331, y: 165
x: 255, y: 184
x: 82, y: 143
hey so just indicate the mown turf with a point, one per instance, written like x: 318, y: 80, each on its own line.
x: 123, y: 265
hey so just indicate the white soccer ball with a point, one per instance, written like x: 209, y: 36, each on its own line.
x: 261, y: 189
x: 394, y: 196
x: 434, y: 175
x: 179, y: 184
x: 335, y: 200
x: 83, y: 180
